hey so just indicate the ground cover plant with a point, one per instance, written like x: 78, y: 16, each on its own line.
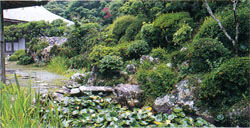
x: 94, y: 110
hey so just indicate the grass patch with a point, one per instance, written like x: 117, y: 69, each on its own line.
x: 58, y: 65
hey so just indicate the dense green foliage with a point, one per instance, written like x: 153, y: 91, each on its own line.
x: 121, y: 24
x: 169, y: 23
x: 159, y: 53
x: 151, y: 35
x: 99, y: 52
x: 13, y: 58
x: 205, y: 53
x: 25, y: 59
x: 138, y: 48
x: 82, y: 38
x: 17, y: 55
x: 182, y: 35
x: 111, y: 65
x: 210, y: 28
x: 226, y: 85
x: 34, y: 29
x: 156, y: 81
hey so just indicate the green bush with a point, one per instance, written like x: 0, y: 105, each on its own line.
x: 25, y: 59
x: 156, y: 81
x: 151, y: 35
x: 121, y: 24
x: 182, y: 35
x: 159, y: 53
x: 204, y: 52
x: 132, y: 30
x: 19, y: 53
x: 226, y: 85
x: 110, y: 65
x: 13, y: 58
x: 211, y: 29
x: 177, y: 57
x: 78, y: 62
x: 100, y: 51
x: 138, y: 48
x: 169, y: 23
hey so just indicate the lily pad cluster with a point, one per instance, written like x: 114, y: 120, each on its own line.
x: 97, y: 111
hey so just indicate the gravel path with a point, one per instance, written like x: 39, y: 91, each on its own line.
x: 39, y: 78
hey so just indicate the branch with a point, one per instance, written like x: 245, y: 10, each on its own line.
x: 235, y: 2
x: 218, y: 21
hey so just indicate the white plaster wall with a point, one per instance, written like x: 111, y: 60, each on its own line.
x: 21, y: 43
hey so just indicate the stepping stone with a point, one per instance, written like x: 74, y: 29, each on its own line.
x: 96, y: 89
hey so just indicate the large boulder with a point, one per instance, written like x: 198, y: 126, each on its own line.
x: 183, y: 96
x: 92, y: 77
x: 79, y: 78
x: 130, y: 95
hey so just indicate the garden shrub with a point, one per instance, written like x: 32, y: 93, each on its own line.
x: 100, y: 51
x: 156, y: 81
x: 132, y: 30
x: 19, y: 53
x: 204, y: 52
x: 151, y: 35
x: 159, y: 53
x: 78, y: 62
x: 122, y: 48
x: 25, y: 60
x: 182, y: 35
x: 121, y: 24
x: 226, y: 85
x: 177, y: 57
x: 82, y: 38
x: 13, y: 58
x: 169, y: 23
x: 210, y: 28
x: 138, y: 48
x: 110, y: 64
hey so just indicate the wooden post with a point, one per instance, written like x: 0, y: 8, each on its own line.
x: 2, y: 47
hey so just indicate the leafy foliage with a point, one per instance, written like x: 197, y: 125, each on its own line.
x: 156, y: 81
x: 169, y: 23
x: 138, y: 48
x: 226, y: 85
x: 211, y: 29
x: 121, y: 24
x: 182, y: 35
x: 82, y: 38
x: 13, y: 58
x: 100, y: 51
x: 25, y: 59
x: 206, y: 50
x: 110, y: 65
x: 159, y: 53
x: 97, y: 111
x: 151, y: 35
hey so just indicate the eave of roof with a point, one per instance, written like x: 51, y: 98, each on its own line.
x: 17, y: 4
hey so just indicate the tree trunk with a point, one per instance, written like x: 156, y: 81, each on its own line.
x: 2, y: 47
